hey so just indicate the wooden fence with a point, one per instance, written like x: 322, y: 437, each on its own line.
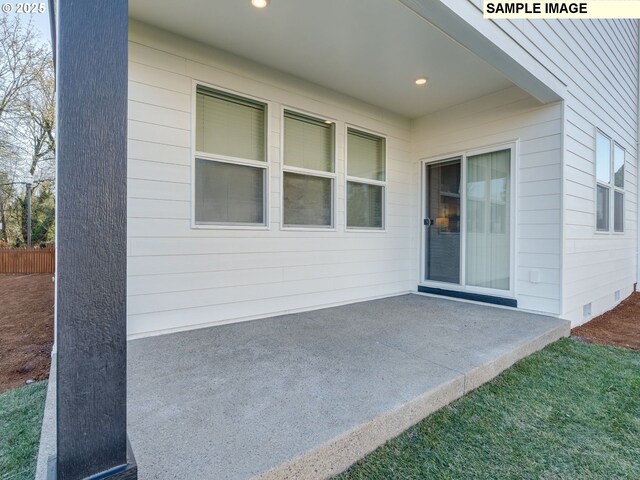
x: 27, y: 260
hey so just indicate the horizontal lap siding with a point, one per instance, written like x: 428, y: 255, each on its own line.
x: 181, y: 277
x: 504, y: 117
x: 598, y: 60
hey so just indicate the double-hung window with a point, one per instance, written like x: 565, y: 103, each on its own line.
x: 618, y: 188
x: 231, y: 165
x: 610, y: 164
x: 308, y: 171
x: 366, y: 180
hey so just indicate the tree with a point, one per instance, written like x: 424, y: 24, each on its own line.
x: 27, y: 144
x: 21, y: 63
x: 37, y: 114
x: 42, y: 216
x: 9, y: 167
x: 35, y: 127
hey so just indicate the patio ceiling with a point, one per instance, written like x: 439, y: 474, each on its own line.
x: 372, y: 50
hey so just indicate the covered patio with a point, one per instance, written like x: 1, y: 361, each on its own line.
x: 296, y: 396
x: 307, y: 394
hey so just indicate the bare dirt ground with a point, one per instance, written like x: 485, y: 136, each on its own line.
x: 619, y: 327
x: 26, y: 328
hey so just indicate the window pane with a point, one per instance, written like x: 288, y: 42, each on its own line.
x: 364, y: 205
x: 442, y: 235
x: 308, y: 142
x: 229, y: 193
x: 618, y: 166
x: 230, y: 125
x: 307, y: 200
x: 618, y: 212
x: 365, y: 155
x: 603, y: 158
x: 488, y: 238
x: 602, y: 209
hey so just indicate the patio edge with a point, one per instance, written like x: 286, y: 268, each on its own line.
x: 484, y: 373
x: 339, y: 454
x: 47, y: 445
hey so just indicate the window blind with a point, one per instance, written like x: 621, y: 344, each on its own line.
x: 364, y: 205
x: 230, y: 125
x: 307, y: 200
x: 365, y: 155
x: 229, y: 193
x: 308, y: 142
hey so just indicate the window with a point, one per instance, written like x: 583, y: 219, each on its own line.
x: 602, y: 209
x: 366, y: 180
x: 610, y: 164
x: 230, y: 159
x: 603, y: 177
x: 308, y: 171
x: 618, y: 188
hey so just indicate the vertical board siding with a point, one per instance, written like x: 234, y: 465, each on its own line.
x: 91, y: 270
x: 502, y: 117
x: 180, y: 277
x: 598, y: 62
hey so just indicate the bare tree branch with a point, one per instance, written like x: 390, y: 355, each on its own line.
x: 27, y: 137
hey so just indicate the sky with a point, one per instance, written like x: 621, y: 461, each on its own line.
x: 40, y: 20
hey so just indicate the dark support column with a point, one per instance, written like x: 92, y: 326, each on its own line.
x: 91, y: 285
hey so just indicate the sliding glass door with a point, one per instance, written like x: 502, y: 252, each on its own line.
x: 467, y: 224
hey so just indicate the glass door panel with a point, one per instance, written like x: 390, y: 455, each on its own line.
x: 488, y: 229
x: 442, y: 222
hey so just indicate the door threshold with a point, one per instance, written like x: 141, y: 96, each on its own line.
x: 476, y: 297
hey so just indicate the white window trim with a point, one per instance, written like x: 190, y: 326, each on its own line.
x: 266, y: 165
x: 312, y: 173
x: 610, y: 186
x: 366, y: 181
x: 513, y: 241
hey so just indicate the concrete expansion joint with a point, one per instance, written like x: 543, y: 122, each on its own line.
x: 423, y: 359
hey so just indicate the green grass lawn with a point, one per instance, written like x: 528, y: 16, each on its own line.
x: 20, y: 420
x: 571, y: 411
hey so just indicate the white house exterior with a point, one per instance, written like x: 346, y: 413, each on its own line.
x: 219, y: 162
x: 580, y: 77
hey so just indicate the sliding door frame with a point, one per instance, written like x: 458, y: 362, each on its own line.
x: 463, y: 156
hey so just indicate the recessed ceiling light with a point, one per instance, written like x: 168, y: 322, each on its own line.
x: 259, y: 3
x: 421, y: 81
x: 328, y: 122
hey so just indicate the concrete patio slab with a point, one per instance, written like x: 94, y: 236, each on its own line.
x: 307, y: 394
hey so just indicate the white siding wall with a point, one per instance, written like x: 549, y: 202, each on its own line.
x: 598, y: 61
x: 180, y: 277
x: 507, y: 116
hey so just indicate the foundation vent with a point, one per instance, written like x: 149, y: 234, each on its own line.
x: 586, y: 310
x: 617, y: 295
